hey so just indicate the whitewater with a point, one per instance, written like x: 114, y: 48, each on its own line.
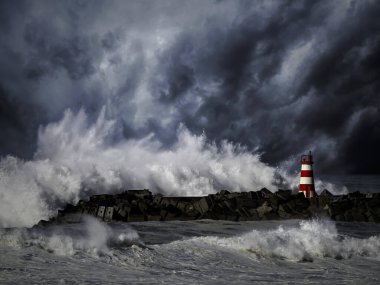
x: 192, y: 252
x: 76, y: 158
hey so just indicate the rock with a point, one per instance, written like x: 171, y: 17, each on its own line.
x: 108, y: 216
x: 166, y: 201
x: 224, y: 192
x: 326, y: 193
x: 264, y: 209
x: 101, y: 211
x: 355, y: 215
x: 141, y: 205
x: 284, y: 194
x: 140, y: 194
x: 157, y: 199
x: 356, y: 194
x: 136, y: 215
x: 104, y: 199
x: 229, y: 204
x: 246, y: 200
x: 338, y: 208
x: 122, y: 210
x: 43, y: 223
x: 284, y: 211
x: 265, y: 193
x: 170, y: 213
x: 153, y: 217
x: 203, y: 205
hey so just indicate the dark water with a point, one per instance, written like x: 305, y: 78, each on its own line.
x: 362, y: 183
x: 194, y: 252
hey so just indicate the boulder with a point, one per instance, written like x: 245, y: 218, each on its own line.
x: 338, y: 208
x: 355, y: 214
x: 326, y: 193
x: 284, y: 194
x: 224, y: 192
x: 356, y: 194
x: 264, y: 209
x: 170, y: 213
x: 141, y: 205
x: 246, y: 202
x: 284, y: 211
x: 101, y: 211
x: 139, y: 194
x: 108, y: 216
x: 229, y: 204
x: 166, y: 201
x: 135, y: 214
x: 157, y: 199
x: 203, y: 205
x: 265, y: 193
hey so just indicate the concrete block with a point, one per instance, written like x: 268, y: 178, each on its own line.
x: 203, y: 205
x: 101, y: 211
x: 108, y: 214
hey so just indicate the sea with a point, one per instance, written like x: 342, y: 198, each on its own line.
x: 315, y: 251
x: 192, y: 252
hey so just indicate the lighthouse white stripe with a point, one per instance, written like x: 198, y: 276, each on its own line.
x: 306, y: 167
x: 306, y: 180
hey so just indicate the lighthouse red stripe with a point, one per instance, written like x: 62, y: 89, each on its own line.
x: 306, y: 173
x: 303, y: 187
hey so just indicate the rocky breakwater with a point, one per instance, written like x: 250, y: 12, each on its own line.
x: 142, y: 205
x: 356, y: 206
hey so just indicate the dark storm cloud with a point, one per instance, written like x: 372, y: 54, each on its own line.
x: 280, y: 77
x: 313, y: 107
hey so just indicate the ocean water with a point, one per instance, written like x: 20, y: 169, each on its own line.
x: 361, y: 183
x: 192, y: 252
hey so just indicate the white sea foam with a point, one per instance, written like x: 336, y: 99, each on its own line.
x: 76, y: 158
x: 310, y: 240
x: 94, y: 238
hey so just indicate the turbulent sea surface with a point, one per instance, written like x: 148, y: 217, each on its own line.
x: 193, y: 252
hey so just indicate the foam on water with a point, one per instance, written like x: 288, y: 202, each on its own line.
x: 76, y: 158
x: 91, y: 237
x: 304, y: 243
x: 201, y: 252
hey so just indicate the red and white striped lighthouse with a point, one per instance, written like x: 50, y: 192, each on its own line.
x: 307, y: 178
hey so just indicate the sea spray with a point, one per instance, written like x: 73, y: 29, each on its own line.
x: 90, y: 237
x: 311, y: 239
x: 76, y: 158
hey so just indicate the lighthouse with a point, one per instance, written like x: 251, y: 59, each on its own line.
x: 307, y: 178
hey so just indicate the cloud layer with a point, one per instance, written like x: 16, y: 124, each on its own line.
x: 279, y: 77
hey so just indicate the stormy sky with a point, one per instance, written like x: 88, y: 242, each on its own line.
x: 279, y: 77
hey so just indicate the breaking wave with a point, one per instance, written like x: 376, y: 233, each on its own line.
x: 93, y: 237
x: 76, y: 158
x: 312, y: 239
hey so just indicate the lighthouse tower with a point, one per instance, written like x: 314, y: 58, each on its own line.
x: 307, y: 178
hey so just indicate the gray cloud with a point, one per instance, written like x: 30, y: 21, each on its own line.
x: 280, y: 77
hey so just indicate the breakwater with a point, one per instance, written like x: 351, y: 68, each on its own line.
x: 142, y: 205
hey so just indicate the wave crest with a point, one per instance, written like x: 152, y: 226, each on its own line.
x: 312, y: 239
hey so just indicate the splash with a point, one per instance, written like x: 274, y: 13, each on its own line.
x: 76, y: 158
x: 312, y: 239
x: 94, y: 238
